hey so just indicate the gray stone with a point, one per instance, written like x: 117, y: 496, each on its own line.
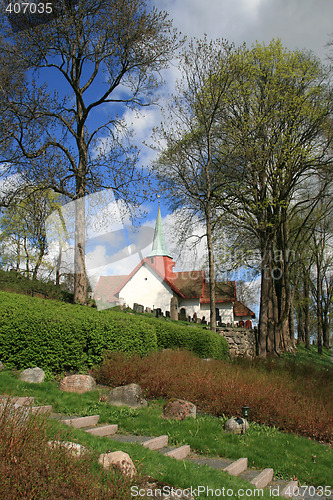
x: 179, y: 409
x: 77, y: 383
x: 120, y: 460
x: 2, y: 366
x: 127, y: 395
x: 75, y: 449
x: 33, y: 375
x: 236, y: 425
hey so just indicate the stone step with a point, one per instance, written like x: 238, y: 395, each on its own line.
x: 18, y: 400
x: 179, y: 453
x: 40, y: 409
x: 104, y: 430
x: 127, y: 438
x: 288, y: 490
x: 216, y: 463
x: 156, y: 443
x: 263, y: 479
x: 81, y: 422
x: 237, y: 467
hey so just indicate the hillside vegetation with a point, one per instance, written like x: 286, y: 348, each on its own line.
x: 64, y: 337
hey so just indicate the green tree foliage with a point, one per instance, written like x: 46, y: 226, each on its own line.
x: 278, y: 120
x: 22, y: 230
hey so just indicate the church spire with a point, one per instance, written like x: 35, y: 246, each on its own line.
x: 159, y: 242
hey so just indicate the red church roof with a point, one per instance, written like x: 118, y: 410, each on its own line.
x: 241, y: 310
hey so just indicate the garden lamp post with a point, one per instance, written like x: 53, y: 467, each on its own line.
x: 245, y: 411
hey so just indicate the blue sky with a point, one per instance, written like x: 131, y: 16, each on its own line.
x: 299, y: 23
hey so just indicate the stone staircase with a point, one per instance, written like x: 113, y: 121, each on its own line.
x: 257, y: 478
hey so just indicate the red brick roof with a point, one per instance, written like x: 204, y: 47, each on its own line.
x: 241, y: 310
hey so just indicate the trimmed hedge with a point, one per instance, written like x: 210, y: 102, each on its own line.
x: 204, y: 343
x: 56, y: 336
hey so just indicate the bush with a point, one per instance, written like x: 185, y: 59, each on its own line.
x: 275, y: 397
x: 204, y: 343
x: 29, y: 468
x: 57, y: 336
x: 62, y: 337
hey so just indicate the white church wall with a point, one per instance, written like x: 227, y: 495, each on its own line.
x: 191, y: 306
x: 147, y: 289
x: 226, y: 312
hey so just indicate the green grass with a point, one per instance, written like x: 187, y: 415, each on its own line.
x: 287, y: 454
x: 305, y: 356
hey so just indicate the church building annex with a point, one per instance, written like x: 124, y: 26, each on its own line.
x: 154, y: 285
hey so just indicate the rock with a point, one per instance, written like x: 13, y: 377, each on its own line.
x: 179, y: 409
x: 75, y: 449
x: 2, y: 366
x: 236, y: 425
x: 128, y: 395
x: 33, y: 375
x: 120, y: 460
x: 77, y: 383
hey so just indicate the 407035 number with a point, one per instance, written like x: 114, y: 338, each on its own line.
x: 29, y: 8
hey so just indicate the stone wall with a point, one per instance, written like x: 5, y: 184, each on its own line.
x: 242, y: 341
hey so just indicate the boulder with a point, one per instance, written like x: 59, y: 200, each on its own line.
x: 75, y: 449
x: 2, y: 366
x: 77, y: 383
x: 236, y: 425
x: 127, y: 395
x: 120, y: 460
x: 33, y: 375
x: 179, y: 409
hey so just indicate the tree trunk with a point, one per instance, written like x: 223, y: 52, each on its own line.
x: 80, y: 279
x: 265, y: 319
x: 18, y: 254
x: 211, y: 271
x: 58, y: 265
x: 27, y: 258
x: 307, y: 313
x: 39, y: 260
x: 300, y: 324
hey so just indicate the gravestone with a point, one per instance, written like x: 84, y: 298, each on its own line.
x: 174, y: 308
x: 138, y: 308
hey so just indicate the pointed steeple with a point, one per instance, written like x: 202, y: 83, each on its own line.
x: 159, y: 242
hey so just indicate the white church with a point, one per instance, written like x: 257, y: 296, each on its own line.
x: 155, y: 286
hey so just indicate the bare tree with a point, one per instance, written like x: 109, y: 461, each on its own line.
x: 63, y: 125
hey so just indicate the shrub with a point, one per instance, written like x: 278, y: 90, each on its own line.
x: 58, y: 336
x: 275, y: 397
x: 29, y: 468
x: 62, y: 337
x: 204, y: 343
